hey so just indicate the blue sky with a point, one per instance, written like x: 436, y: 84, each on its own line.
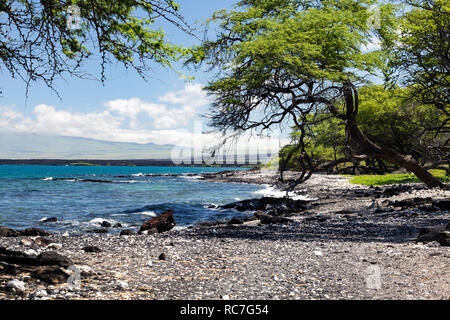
x: 165, y: 110
x: 125, y: 108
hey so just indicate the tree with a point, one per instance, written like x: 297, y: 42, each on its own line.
x: 286, y: 60
x: 45, y: 40
x: 422, y: 53
x: 386, y: 115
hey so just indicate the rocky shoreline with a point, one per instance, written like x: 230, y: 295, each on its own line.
x: 353, y: 242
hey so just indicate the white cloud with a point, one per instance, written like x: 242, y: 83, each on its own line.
x: 191, y: 98
x: 8, y: 112
x: 122, y: 120
x: 131, y: 108
x: 192, y: 95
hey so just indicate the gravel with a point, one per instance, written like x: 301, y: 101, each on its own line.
x: 339, y: 249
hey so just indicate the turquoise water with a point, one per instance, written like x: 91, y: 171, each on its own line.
x: 80, y: 197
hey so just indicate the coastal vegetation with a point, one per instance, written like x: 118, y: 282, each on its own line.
x: 378, y: 180
x: 308, y: 62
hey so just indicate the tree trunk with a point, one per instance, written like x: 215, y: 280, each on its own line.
x: 370, y: 149
x: 390, y: 155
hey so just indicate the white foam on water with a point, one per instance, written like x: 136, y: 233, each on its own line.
x: 192, y: 177
x: 125, y: 181
x: 180, y: 227
x: 48, y: 179
x: 146, y: 213
x: 271, y: 191
x: 140, y: 174
x: 97, y: 220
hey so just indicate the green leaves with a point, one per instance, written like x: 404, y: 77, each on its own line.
x: 421, y: 51
x: 66, y: 33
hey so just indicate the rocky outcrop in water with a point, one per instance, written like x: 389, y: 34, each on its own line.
x: 270, y: 205
x: 8, y: 232
x: 164, y: 222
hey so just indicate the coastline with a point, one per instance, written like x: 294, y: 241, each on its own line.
x: 324, y: 252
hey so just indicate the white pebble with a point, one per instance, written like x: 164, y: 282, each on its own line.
x: 16, y: 285
x: 55, y: 245
x: 30, y: 252
x: 122, y: 285
x: 318, y: 253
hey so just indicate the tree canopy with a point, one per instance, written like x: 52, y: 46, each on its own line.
x: 45, y: 40
x: 291, y: 60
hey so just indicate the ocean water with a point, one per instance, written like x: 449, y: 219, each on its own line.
x: 81, y: 197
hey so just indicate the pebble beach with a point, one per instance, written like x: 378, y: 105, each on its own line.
x: 350, y: 242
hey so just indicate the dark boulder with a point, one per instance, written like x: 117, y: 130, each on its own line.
x: 106, y: 224
x: 410, y: 203
x: 163, y: 222
x: 42, y: 242
x: 49, y: 220
x: 271, y: 205
x: 33, y: 232
x: 439, y: 233
x: 48, y: 274
x: 28, y: 232
x: 268, y: 219
x: 127, y: 232
x: 99, y: 231
x: 117, y: 225
x: 443, y: 204
x: 8, y: 232
x: 54, y: 258
x: 235, y: 221
x: 91, y: 249
x: 438, y: 228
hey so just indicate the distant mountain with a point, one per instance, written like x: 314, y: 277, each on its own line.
x: 33, y: 146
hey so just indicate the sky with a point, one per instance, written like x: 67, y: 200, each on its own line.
x: 166, y: 109
x: 125, y: 108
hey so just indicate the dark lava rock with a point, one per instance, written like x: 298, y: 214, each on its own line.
x: 127, y: 232
x: 42, y: 242
x: 438, y: 228
x: 274, y: 206
x: 267, y: 219
x: 45, y: 267
x: 8, y: 232
x: 443, y: 204
x: 410, y: 203
x: 52, y: 275
x: 163, y: 222
x: 49, y: 220
x: 106, y: 224
x: 162, y: 256
x: 99, y: 231
x: 32, y: 232
x: 117, y: 225
x: 235, y: 221
x: 91, y: 249
x: 442, y: 237
x: 428, y: 208
x: 439, y: 233
x: 54, y: 258
x: 208, y: 224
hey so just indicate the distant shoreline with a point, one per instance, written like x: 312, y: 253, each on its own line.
x: 89, y: 162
